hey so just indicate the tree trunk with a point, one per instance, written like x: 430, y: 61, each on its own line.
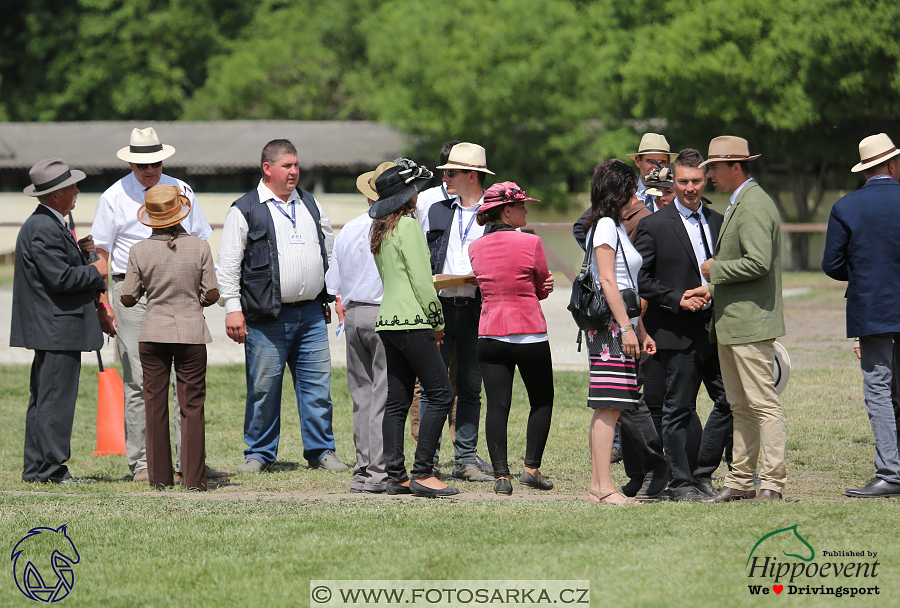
x: 799, y: 250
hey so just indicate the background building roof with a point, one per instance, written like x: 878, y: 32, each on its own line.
x: 202, y: 147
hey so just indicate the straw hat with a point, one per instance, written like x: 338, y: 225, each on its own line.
x: 503, y: 193
x: 51, y: 175
x: 874, y: 150
x: 728, y: 148
x: 145, y: 148
x: 467, y: 157
x: 396, y: 186
x: 164, y: 206
x: 365, y: 183
x: 653, y: 143
x: 782, y: 371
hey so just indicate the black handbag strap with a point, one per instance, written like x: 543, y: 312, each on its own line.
x: 624, y: 259
x: 589, y: 248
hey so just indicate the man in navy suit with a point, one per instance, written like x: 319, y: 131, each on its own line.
x: 857, y: 251
x: 674, y: 242
x: 54, y: 313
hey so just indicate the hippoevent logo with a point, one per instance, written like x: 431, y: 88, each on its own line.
x: 42, y: 564
x: 782, y: 561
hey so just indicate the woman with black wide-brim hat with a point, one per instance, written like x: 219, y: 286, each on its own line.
x: 411, y: 325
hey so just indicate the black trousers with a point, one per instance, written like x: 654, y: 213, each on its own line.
x: 498, y: 361
x: 412, y: 354
x: 190, y: 375
x: 685, y: 371
x: 50, y: 414
x: 642, y: 450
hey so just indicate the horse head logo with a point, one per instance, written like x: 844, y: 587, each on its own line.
x: 786, y: 539
x: 42, y: 564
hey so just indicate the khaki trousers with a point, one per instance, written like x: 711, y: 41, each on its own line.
x: 747, y: 372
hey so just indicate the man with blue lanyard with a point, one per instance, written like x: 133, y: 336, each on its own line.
x: 275, y: 248
x: 451, y: 229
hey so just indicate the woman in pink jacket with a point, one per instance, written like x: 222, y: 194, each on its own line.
x: 512, y: 273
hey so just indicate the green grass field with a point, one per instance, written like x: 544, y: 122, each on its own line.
x: 259, y: 540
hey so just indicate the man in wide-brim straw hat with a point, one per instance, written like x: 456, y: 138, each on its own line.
x: 54, y: 313
x: 745, y: 283
x: 857, y: 251
x: 653, y: 152
x: 353, y: 278
x: 116, y: 229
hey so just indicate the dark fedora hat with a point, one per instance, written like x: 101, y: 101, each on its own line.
x: 51, y: 175
x: 396, y: 186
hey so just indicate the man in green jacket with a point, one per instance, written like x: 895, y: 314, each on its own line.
x: 745, y: 284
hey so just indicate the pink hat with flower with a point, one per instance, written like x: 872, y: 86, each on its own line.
x: 503, y: 193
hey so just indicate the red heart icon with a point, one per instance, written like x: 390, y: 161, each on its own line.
x: 778, y: 588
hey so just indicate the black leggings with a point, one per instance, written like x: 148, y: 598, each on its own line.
x: 412, y: 354
x: 498, y: 362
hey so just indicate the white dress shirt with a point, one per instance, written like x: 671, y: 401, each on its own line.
x: 464, y: 230
x: 352, y: 273
x: 116, y: 227
x: 734, y: 195
x: 300, y: 267
x: 429, y: 197
x: 693, y: 230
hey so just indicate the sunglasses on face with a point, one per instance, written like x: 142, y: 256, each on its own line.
x: 451, y: 173
x: 142, y: 166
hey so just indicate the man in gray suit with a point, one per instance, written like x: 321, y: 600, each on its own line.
x: 54, y: 313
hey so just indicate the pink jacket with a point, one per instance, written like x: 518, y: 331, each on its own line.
x: 511, y: 269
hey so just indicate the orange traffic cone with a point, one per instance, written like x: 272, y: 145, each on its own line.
x: 110, y: 412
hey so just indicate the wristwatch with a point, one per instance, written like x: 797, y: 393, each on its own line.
x: 625, y: 328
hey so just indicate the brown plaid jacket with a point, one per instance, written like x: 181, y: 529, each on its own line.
x: 178, y: 282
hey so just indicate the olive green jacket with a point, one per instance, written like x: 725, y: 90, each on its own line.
x: 745, y: 274
x: 410, y: 300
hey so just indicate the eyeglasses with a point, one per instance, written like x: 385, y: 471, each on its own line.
x: 451, y: 173
x: 142, y: 166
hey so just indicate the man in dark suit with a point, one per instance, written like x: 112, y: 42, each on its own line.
x: 856, y: 251
x: 674, y: 242
x: 54, y: 313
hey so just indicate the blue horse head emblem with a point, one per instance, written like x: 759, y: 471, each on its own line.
x: 42, y: 564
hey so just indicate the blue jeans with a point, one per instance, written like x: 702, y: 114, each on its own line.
x: 298, y: 338
x: 879, y: 358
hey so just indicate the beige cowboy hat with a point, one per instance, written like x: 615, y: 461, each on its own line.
x: 728, y: 148
x: 653, y: 143
x: 365, y: 183
x: 163, y: 206
x: 51, y: 175
x: 144, y: 147
x: 782, y: 367
x: 874, y: 150
x: 467, y: 157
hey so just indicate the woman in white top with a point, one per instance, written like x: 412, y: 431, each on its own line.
x: 613, y: 351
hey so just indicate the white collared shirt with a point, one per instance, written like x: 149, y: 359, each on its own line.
x: 693, y: 228
x: 429, y: 197
x: 116, y: 227
x: 734, y: 194
x: 300, y: 268
x: 57, y: 214
x: 457, y: 260
x: 352, y: 273
x: 643, y: 196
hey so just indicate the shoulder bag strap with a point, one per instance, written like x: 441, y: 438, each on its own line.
x: 624, y: 259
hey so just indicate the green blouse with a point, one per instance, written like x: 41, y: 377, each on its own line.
x: 410, y: 300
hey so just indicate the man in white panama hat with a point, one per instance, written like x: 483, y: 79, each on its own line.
x: 653, y: 152
x: 116, y: 229
x: 857, y: 251
x: 54, y: 313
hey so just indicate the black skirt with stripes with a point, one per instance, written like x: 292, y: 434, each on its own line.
x: 613, y: 383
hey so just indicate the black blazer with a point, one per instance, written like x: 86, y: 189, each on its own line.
x: 53, y: 289
x: 669, y: 269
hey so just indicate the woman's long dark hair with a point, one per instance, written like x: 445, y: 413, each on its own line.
x: 383, y: 227
x: 612, y: 187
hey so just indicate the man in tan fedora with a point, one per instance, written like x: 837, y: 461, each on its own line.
x: 116, y: 229
x: 744, y: 278
x: 54, y: 313
x: 857, y: 251
x: 653, y: 152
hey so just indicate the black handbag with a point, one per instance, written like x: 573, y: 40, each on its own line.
x: 588, y: 305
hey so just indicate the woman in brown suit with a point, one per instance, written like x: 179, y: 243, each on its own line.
x: 176, y: 272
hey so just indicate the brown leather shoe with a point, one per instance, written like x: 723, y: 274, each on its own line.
x: 767, y: 496
x: 211, y: 475
x: 727, y: 494
x: 142, y: 476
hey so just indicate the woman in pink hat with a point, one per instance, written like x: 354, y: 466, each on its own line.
x: 512, y: 273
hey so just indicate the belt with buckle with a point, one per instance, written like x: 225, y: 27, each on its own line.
x: 459, y: 301
x: 119, y: 277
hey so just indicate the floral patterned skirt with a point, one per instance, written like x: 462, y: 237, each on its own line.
x: 613, y: 383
